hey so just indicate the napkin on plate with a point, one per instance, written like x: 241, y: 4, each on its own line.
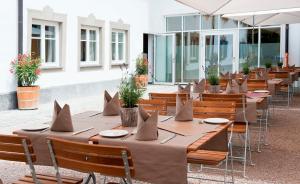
x: 147, y: 126
x: 198, y: 87
x: 61, y: 120
x: 111, y: 105
x: 244, y: 87
x: 184, y: 112
x: 186, y: 89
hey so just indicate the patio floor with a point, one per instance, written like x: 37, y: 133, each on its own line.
x: 277, y: 163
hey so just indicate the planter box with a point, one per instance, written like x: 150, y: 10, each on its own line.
x: 141, y: 80
x: 28, y: 97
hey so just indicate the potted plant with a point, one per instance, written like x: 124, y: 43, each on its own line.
x: 129, y: 94
x: 246, y: 69
x: 141, y: 72
x: 268, y: 65
x: 213, y: 80
x: 279, y: 64
x: 27, y: 70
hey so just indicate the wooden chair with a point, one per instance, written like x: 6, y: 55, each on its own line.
x: 241, y: 128
x: 256, y: 84
x: 169, y: 97
x: 113, y: 161
x: 159, y: 105
x: 209, y: 109
x: 20, y: 149
x: 284, y: 91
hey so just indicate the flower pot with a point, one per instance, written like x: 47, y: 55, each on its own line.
x: 129, y: 117
x: 214, y: 88
x: 141, y: 80
x: 28, y: 97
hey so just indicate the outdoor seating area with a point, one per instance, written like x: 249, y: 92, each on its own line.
x: 150, y: 92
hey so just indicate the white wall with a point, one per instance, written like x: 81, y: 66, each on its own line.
x: 294, y: 44
x: 160, y: 8
x: 8, y: 48
x: 133, y: 12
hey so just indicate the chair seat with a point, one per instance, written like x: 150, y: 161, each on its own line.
x: 206, y: 157
x: 48, y: 179
x: 238, y: 128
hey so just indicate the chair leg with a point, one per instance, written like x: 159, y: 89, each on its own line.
x: 259, y: 136
x: 91, y: 176
x: 249, y: 148
x: 231, y: 160
x: 226, y: 167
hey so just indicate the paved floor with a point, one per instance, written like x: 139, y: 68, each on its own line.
x: 279, y: 162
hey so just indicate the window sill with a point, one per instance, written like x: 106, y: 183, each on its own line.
x: 86, y: 66
x: 52, y: 68
x: 119, y: 63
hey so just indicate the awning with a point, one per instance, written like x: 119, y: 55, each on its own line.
x: 220, y: 7
x: 268, y: 19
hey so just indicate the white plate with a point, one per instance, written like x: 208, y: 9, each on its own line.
x: 113, y: 133
x: 216, y: 120
x: 37, y: 128
x: 261, y: 91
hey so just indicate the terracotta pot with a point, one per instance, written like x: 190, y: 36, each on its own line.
x: 28, y: 97
x: 214, y: 88
x: 141, y: 80
x: 129, y: 117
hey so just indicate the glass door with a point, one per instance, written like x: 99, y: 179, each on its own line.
x: 164, y: 59
x: 219, y: 50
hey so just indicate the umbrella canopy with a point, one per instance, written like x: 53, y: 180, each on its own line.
x: 220, y: 7
x: 268, y: 19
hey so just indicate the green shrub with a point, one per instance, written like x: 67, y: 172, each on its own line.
x: 141, y: 66
x: 246, y: 69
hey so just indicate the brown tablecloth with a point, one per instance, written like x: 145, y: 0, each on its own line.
x: 162, y: 163
x: 80, y: 121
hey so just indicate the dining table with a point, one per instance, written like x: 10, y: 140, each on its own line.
x: 155, y: 161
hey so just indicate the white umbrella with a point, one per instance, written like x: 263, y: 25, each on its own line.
x: 220, y: 7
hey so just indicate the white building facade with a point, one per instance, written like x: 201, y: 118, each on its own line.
x: 83, y: 43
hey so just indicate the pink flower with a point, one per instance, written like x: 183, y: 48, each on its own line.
x: 38, y: 71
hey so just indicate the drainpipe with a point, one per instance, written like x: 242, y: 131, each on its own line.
x: 286, y: 56
x: 20, y: 26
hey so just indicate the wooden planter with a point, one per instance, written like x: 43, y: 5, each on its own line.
x: 129, y: 117
x: 28, y: 97
x: 141, y: 80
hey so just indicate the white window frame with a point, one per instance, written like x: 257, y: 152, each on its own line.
x: 117, y: 42
x: 88, y: 61
x: 43, y: 42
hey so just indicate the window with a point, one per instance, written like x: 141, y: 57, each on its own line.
x: 118, y: 45
x: 89, y: 45
x: 174, y: 23
x: 45, y: 42
x: 270, y: 46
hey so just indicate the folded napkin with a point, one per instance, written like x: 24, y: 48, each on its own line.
x: 111, y: 105
x: 224, y: 76
x: 232, y: 87
x: 198, y: 87
x: 186, y: 89
x: 244, y: 87
x: 184, y: 112
x: 147, y: 125
x: 61, y: 120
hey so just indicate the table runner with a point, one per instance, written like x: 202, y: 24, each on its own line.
x: 80, y: 121
x: 161, y: 163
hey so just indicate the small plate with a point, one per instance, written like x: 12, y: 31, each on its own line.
x: 261, y: 91
x: 37, y: 128
x: 215, y: 120
x: 113, y: 133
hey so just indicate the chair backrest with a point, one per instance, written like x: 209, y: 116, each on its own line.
x: 19, y: 149
x: 169, y: 97
x: 256, y: 84
x: 13, y: 148
x: 239, y: 99
x: 108, y: 160
x: 159, y: 105
x: 281, y: 75
x: 210, y: 109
